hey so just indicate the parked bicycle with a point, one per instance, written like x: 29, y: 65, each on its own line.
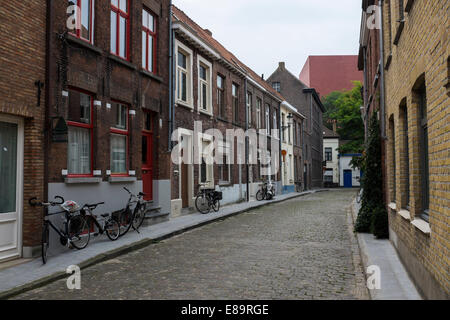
x: 266, y: 192
x: 132, y: 218
x: 74, y: 234
x: 107, y: 223
x: 207, y: 199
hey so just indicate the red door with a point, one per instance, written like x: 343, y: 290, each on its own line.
x: 147, y: 165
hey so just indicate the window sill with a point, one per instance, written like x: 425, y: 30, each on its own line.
x: 399, y: 32
x: 122, y: 61
x: 151, y: 75
x: 180, y: 103
x: 206, y: 112
x: 80, y: 180
x: 225, y: 184
x: 222, y: 119
x: 393, y: 206
x: 422, y: 225
x: 83, y: 43
x: 405, y: 214
x: 122, y: 179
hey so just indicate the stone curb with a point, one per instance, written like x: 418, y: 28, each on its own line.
x: 136, y: 246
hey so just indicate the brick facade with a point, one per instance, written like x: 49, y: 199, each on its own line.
x: 417, y: 74
x: 22, y: 47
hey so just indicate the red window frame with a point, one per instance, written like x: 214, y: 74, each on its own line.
x: 154, y: 35
x: 126, y: 16
x: 126, y: 133
x: 77, y: 32
x: 86, y: 126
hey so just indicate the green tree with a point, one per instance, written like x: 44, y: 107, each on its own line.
x: 372, y: 216
x: 343, y: 107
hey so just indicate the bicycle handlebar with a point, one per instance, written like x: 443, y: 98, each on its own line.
x: 94, y: 205
x: 34, y: 202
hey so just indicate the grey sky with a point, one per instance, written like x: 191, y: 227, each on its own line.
x: 263, y: 32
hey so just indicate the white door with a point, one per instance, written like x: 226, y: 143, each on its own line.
x: 11, y: 193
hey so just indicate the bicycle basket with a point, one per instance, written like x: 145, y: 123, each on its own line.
x: 70, y: 206
x: 218, y: 195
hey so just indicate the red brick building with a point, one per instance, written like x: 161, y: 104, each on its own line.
x: 330, y: 73
x: 22, y: 112
x: 214, y: 87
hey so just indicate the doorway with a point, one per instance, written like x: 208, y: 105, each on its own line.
x: 147, y: 157
x: 11, y: 192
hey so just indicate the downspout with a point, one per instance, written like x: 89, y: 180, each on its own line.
x: 382, y: 93
x: 171, y: 77
x: 366, y: 106
x: 280, y: 166
x: 246, y: 141
x: 48, y: 103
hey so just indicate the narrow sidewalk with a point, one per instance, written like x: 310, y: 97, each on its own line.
x: 395, y: 282
x: 33, y: 274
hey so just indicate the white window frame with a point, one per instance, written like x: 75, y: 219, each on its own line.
x: 258, y: 112
x: 225, y: 149
x: 268, y: 119
x: 208, y: 66
x: 189, y: 77
x: 249, y: 99
x: 209, y: 167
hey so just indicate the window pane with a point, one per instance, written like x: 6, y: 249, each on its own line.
x: 120, y: 116
x: 123, y: 5
x: 144, y: 49
x: 182, y: 60
x: 150, y: 53
x: 123, y: 37
x: 8, y: 167
x: 203, y: 73
x: 85, y: 19
x: 79, y: 107
x: 204, y: 95
x: 151, y: 23
x: 144, y: 149
x: 183, y: 87
x: 79, y: 157
x: 118, y: 154
x: 219, y: 82
x: 145, y: 18
x: 115, y: 3
x: 113, y: 32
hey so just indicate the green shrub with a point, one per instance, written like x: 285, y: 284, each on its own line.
x: 380, y: 224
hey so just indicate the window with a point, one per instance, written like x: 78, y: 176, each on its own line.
x: 221, y: 95
x: 401, y: 10
x: 276, y: 86
x: 405, y: 156
x: 424, y: 169
x: 225, y: 167
x: 206, y: 167
x: 119, y: 140
x: 275, y: 126
x: 393, y: 161
x: 249, y: 108
x: 184, y: 90
x: 268, y: 119
x: 258, y: 113
x: 149, y: 40
x: 80, y: 133
x: 84, y: 19
x: 328, y: 154
x: 283, y: 128
x: 235, y: 94
x: 204, y: 85
x: 294, y: 129
x: 120, y: 28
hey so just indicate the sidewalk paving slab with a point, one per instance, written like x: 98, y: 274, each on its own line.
x: 395, y: 282
x: 34, y: 274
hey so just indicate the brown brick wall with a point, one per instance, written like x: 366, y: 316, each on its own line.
x: 421, y: 55
x: 22, y: 60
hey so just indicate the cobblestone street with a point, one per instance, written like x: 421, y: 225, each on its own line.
x: 299, y: 249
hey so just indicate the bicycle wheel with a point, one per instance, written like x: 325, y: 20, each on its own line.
x: 202, y: 204
x: 112, y: 229
x: 125, y: 221
x: 216, y: 205
x: 45, y: 242
x: 139, y: 216
x: 260, y: 195
x: 79, y: 232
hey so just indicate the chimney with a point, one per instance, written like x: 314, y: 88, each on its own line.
x: 208, y: 32
x: 262, y: 76
x: 282, y: 65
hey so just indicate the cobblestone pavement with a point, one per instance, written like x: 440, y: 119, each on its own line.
x: 299, y: 249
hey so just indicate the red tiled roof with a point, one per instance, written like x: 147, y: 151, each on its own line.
x: 204, y: 35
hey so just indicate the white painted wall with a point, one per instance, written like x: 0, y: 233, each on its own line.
x: 332, y: 143
x: 344, y: 164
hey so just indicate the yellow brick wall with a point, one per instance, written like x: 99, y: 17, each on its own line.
x: 423, y: 49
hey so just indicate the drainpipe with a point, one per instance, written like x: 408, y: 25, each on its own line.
x: 48, y: 103
x: 246, y: 141
x: 171, y: 77
x: 382, y: 93
x: 366, y: 106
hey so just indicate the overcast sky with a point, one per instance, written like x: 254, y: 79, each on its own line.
x: 263, y: 32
